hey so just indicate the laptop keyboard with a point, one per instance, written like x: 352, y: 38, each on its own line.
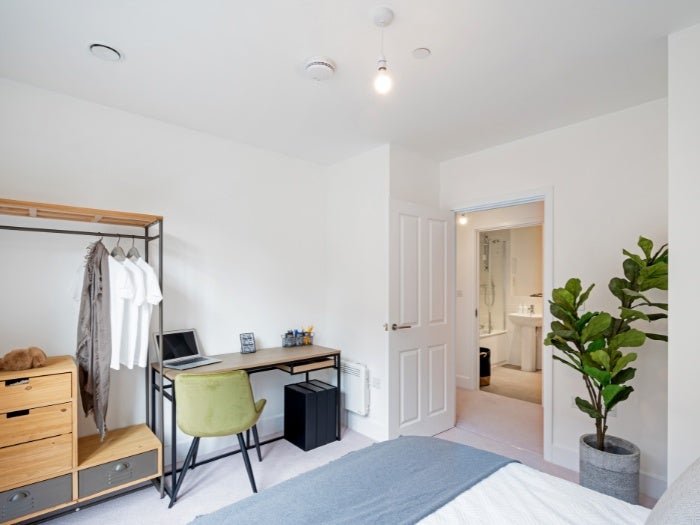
x: 190, y: 360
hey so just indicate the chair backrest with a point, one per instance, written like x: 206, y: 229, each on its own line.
x: 216, y: 404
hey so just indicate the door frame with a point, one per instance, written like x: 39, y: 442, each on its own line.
x: 545, y: 195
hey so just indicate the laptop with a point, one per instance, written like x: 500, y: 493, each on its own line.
x: 181, y: 350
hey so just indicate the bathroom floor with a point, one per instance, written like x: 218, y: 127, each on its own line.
x: 510, y: 381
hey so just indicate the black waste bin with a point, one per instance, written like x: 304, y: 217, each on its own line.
x: 484, y: 366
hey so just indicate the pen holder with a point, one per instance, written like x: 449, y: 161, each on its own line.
x: 300, y: 339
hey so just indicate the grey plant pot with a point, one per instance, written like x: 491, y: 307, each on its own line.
x: 613, y: 471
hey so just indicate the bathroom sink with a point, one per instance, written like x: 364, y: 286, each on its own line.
x: 526, y: 319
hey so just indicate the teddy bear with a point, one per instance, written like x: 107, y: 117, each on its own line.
x: 23, y: 358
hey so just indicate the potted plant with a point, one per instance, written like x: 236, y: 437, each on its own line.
x: 592, y: 344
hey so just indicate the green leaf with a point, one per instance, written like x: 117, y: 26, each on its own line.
x: 656, y: 317
x: 646, y: 245
x: 610, y: 391
x: 597, y: 325
x: 596, y: 345
x: 632, y: 315
x: 563, y: 298
x: 631, y: 270
x: 600, y: 357
x: 562, y: 314
x: 616, y: 287
x: 636, y: 258
x: 602, y: 376
x: 584, y: 295
x: 573, y: 286
x: 584, y: 320
x: 614, y: 397
x: 657, y: 283
x: 657, y: 337
x: 585, y: 406
x: 661, y: 306
x: 623, y: 376
x: 623, y: 362
x: 630, y: 338
x: 568, y: 363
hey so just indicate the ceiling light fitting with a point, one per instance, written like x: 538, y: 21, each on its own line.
x: 105, y: 52
x: 382, y: 17
x: 463, y: 219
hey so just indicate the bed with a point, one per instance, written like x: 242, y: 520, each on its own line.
x: 434, y: 482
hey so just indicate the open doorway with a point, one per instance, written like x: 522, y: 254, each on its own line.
x: 509, y: 285
x: 501, y: 272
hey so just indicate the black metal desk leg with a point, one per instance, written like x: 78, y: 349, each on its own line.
x: 337, y: 399
x: 173, y: 440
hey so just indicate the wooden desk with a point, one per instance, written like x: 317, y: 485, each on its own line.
x: 293, y: 360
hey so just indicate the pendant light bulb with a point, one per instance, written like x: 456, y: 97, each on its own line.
x: 382, y: 81
x: 463, y: 219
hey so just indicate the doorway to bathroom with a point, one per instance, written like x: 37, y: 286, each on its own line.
x: 499, y: 300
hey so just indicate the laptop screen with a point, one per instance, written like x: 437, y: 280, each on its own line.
x: 180, y: 343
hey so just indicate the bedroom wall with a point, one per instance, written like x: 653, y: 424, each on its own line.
x: 608, y: 178
x: 357, y: 230
x: 244, y: 233
x: 684, y: 216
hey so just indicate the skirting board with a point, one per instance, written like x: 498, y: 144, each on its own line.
x: 650, y: 485
x: 464, y: 382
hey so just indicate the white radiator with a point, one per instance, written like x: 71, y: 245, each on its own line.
x: 355, y: 385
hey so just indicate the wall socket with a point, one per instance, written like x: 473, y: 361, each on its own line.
x: 376, y: 383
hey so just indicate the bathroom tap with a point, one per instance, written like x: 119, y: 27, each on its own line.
x: 531, y: 309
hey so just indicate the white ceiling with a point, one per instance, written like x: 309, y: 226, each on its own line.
x: 500, y: 69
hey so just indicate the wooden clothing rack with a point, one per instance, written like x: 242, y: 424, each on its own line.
x: 151, y: 230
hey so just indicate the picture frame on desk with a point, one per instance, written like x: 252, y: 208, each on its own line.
x: 247, y: 343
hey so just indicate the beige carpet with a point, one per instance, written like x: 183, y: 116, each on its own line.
x: 510, y: 381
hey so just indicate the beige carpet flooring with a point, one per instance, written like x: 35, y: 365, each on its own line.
x: 510, y: 381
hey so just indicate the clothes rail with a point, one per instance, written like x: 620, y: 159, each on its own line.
x: 147, y: 238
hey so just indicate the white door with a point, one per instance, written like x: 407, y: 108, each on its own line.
x: 421, y: 320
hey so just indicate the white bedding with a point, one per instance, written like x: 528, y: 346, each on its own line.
x: 520, y: 494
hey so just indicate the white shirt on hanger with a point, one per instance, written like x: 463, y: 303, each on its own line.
x: 153, y: 297
x: 130, y: 326
x: 121, y: 293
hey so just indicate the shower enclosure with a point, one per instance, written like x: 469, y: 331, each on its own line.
x: 492, y: 281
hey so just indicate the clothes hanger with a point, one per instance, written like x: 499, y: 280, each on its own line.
x: 133, y: 252
x: 118, y: 252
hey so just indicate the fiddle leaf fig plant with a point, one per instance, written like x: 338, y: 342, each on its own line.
x: 591, y: 342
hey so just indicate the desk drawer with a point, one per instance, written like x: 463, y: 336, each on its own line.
x: 116, y: 473
x: 35, y: 460
x: 31, y: 424
x: 32, y: 498
x: 30, y: 392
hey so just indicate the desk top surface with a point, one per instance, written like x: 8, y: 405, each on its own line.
x: 263, y: 357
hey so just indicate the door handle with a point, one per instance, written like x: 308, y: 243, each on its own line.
x: 400, y: 326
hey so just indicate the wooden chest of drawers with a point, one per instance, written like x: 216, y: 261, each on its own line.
x: 43, y: 464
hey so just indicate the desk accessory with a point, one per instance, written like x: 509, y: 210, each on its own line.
x: 247, y: 343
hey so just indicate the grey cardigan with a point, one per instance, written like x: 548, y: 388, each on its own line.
x: 94, y: 348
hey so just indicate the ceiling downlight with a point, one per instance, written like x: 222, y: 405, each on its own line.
x: 105, y: 52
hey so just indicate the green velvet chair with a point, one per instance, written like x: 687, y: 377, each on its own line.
x: 213, y: 405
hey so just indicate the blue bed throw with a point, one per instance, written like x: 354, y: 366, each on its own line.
x: 392, y: 482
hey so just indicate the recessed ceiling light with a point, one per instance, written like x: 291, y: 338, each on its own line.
x: 421, y: 52
x: 105, y: 52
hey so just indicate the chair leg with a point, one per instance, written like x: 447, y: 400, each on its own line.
x: 185, y: 466
x: 257, y: 441
x: 246, y: 459
x: 194, y: 455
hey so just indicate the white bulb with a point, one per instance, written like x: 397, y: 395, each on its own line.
x: 463, y: 220
x: 382, y: 82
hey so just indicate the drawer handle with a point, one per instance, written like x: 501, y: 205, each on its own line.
x: 121, y: 466
x: 17, y: 382
x: 18, y: 413
x: 19, y: 495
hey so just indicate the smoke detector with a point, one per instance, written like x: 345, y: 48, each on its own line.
x: 319, y: 68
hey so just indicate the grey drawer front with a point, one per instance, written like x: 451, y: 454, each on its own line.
x: 111, y: 475
x: 32, y: 498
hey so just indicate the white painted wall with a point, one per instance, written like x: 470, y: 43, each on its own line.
x: 357, y: 285
x: 244, y: 232
x: 684, y: 217
x: 609, y: 184
x: 414, y: 178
